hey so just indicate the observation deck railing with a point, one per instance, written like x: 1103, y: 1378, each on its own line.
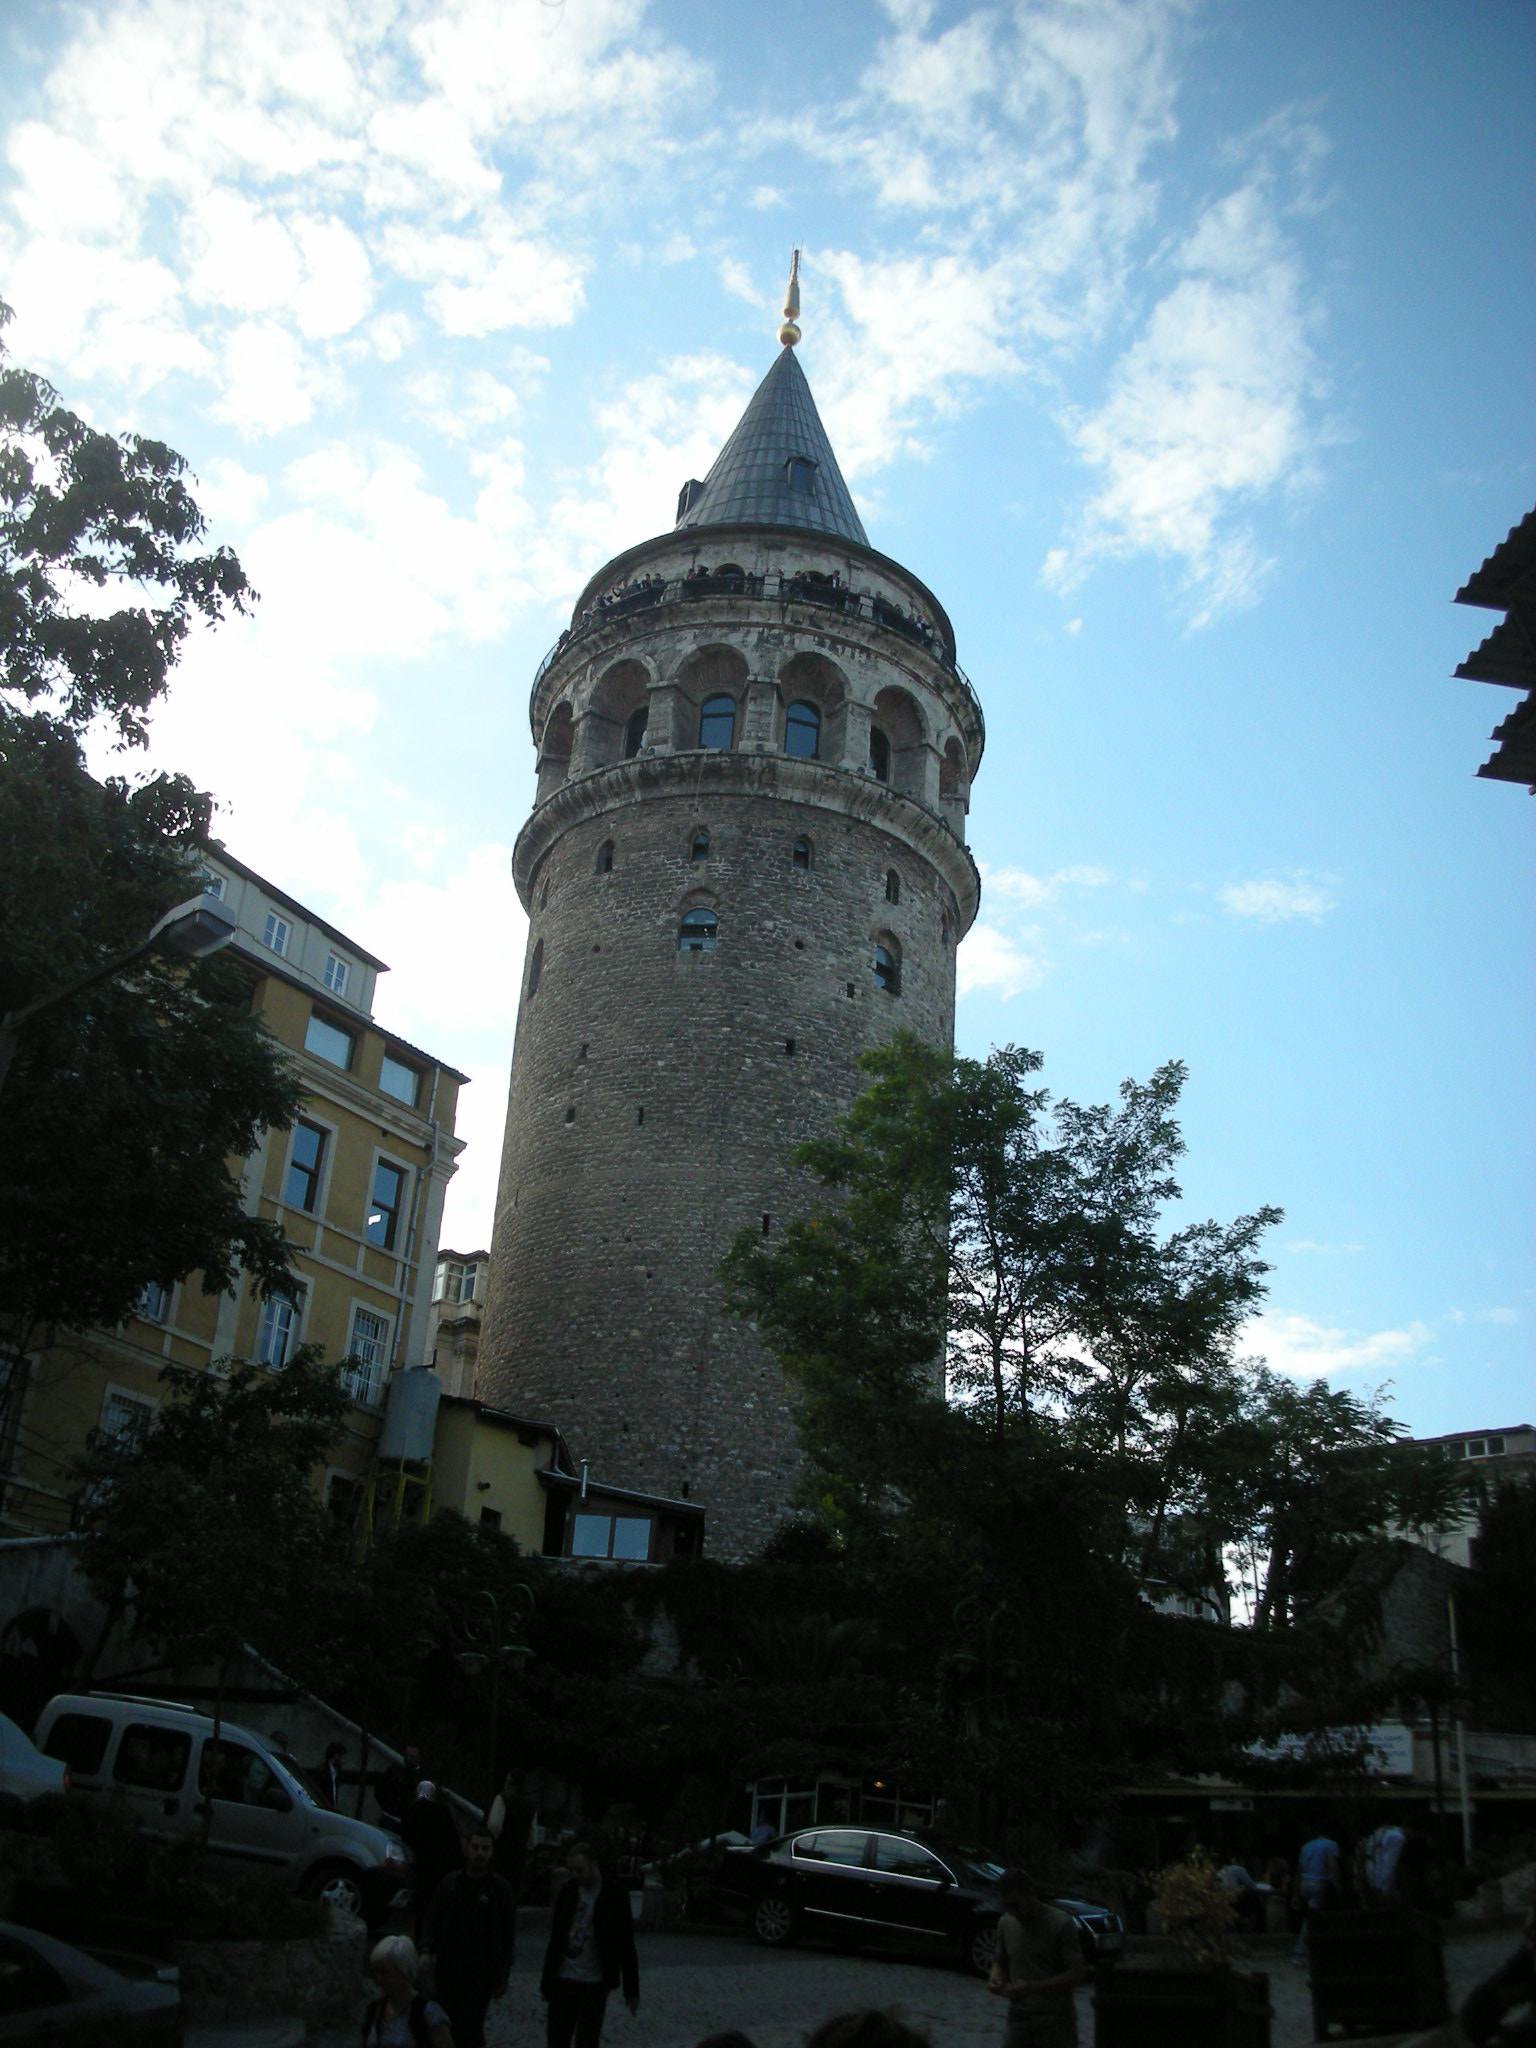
x: 827, y: 594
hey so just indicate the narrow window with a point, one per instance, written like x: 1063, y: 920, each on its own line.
x: 605, y: 858
x: 802, y: 853
x: 368, y: 1358
x: 879, y: 755
x: 634, y: 732
x: 276, y: 933
x: 490, y: 1518
x: 802, y: 730
x: 717, y: 723
x: 384, y: 1209
x: 767, y: 1223
x: 544, y: 897
x: 801, y: 472
x: 851, y: 991
x: 698, y: 846
x: 335, y: 974
x: 535, y: 969
x: 152, y: 1303
x: 301, y: 1188
x: 789, y: 1048
x: 328, y: 1041
x: 570, y: 1113
x: 400, y: 1080
x: 892, y: 886
x: 888, y: 969
x: 583, y: 1052
x: 280, y: 1318
x: 213, y: 884
x: 697, y: 932
x: 640, y: 1116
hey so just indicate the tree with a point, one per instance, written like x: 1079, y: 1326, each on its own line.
x: 81, y: 507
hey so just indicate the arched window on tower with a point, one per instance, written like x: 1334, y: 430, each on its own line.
x: 802, y: 853
x: 605, y: 858
x: 717, y: 723
x: 888, y: 964
x: 535, y: 969
x: 892, y: 886
x: 698, y: 845
x: 879, y: 755
x: 802, y: 730
x: 634, y: 732
x: 696, y: 933
x: 800, y: 471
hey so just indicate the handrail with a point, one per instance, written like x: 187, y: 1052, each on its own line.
x: 825, y: 594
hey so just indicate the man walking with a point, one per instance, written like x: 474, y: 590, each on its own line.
x: 591, y: 1951
x: 471, y: 1928
x: 1317, y: 1883
x: 1036, y: 1966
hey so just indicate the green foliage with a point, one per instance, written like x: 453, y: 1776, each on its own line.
x: 1196, y: 1912
x: 113, y: 513
x: 1501, y: 1616
x: 125, y: 1105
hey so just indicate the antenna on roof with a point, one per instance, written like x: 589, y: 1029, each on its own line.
x: 789, y: 333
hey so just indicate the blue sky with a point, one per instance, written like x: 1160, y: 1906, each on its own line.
x: 1183, y: 349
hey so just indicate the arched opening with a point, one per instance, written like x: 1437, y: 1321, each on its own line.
x: 802, y: 855
x: 892, y: 886
x: 717, y: 722
x: 802, y: 729
x: 555, y: 751
x: 888, y: 964
x: 879, y: 755
x: 698, y: 845
x: 952, y: 771
x: 618, y: 706
x: 634, y: 732
x: 535, y: 970
x: 816, y: 694
x: 605, y: 858
x: 696, y: 933
x: 898, y: 718
x: 712, y: 685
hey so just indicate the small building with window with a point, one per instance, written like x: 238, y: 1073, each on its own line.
x: 1482, y: 1458
x: 357, y: 1184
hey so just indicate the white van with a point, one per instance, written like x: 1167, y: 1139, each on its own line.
x: 160, y: 1761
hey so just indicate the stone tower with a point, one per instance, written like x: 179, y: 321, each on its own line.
x: 745, y: 866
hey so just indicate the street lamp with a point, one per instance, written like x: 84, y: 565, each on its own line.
x: 195, y: 928
x: 493, y: 1646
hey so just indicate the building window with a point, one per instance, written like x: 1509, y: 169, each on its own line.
x: 125, y: 1414
x: 281, y: 1315
x: 605, y: 858
x: 634, y: 732
x: 327, y: 1041
x: 276, y: 933
x: 368, y: 1357
x: 888, y: 967
x: 627, y: 1537
x: 213, y: 883
x: 301, y: 1187
x: 1455, y: 1450
x: 535, y: 969
x: 1476, y: 1448
x: 697, y: 932
x: 717, y: 723
x: 335, y: 974
x: 1495, y: 1447
x: 892, y: 886
x: 802, y: 730
x: 879, y: 755
x: 801, y: 471
x: 384, y: 1208
x: 490, y: 1518
x: 152, y: 1303
x: 802, y: 853
x: 467, y: 1279
x: 399, y: 1080
x: 698, y: 845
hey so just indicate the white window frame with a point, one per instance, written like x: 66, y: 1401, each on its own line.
x: 115, y: 1391
x: 140, y: 1314
x: 276, y: 934
x: 298, y: 1302
x: 336, y: 973
x: 362, y: 1384
x: 214, y: 884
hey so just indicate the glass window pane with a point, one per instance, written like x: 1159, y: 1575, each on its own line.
x: 802, y: 731
x: 328, y: 1041
x: 301, y: 1188
x: 384, y: 1209
x: 79, y: 1740
x: 335, y: 974
x: 631, y: 1537
x: 879, y: 755
x: 399, y: 1080
x: 697, y: 933
x: 589, y: 1536
x: 155, y: 1759
x: 717, y: 722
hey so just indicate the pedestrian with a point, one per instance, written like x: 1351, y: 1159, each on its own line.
x: 591, y: 1950
x: 428, y: 1831
x: 401, y: 2016
x: 513, y: 1821
x: 1317, y: 1884
x: 1036, y: 1965
x: 467, y: 1944
x: 1246, y: 1898
x: 1491, y: 2013
x: 396, y: 1786
x: 330, y: 1774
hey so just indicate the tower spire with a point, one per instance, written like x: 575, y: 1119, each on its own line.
x: 789, y: 333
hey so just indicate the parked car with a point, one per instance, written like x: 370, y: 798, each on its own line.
x: 52, y: 1992
x: 25, y: 1773
x: 161, y: 1762
x: 901, y: 1888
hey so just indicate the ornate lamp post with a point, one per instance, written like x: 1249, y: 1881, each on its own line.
x: 490, y: 1638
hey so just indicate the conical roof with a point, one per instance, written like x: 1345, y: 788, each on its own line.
x: 752, y: 481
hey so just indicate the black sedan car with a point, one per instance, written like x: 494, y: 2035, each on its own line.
x: 51, y: 1992
x: 855, y: 1884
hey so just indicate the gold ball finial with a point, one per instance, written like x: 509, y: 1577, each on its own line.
x: 789, y: 333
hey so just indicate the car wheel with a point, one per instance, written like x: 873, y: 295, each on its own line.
x: 980, y: 1945
x: 775, y: 1921
x: 337, y: 1885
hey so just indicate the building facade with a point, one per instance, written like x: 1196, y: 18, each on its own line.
x: 357, y: 1185
x: 745, y: 867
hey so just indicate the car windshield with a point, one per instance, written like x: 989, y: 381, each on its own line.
x: 980, y: 1869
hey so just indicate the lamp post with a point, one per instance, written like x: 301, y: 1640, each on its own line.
x: 195, y: 928
x: 491, y: 1645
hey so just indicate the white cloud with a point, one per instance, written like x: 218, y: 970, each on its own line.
x: 989, y: 959
x: 737, y: 279
x: 762, y: 198
x: 1308, y: 1244
x: 1302, y: 1348
x: 1272, y: 901
x: 1030, y: 891
x: 488, y: 276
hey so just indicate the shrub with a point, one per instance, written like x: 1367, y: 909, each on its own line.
x: 1196, y: 1913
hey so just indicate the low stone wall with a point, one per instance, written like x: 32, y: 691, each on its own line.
x: 319, y: 1980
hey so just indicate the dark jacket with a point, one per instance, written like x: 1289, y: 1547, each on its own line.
x: 613, y: 1929
x: 456, y: 1920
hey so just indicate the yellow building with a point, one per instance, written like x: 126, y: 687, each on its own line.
x: 357, y: 1185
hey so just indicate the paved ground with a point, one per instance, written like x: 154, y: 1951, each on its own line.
x: 694, y: 1983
